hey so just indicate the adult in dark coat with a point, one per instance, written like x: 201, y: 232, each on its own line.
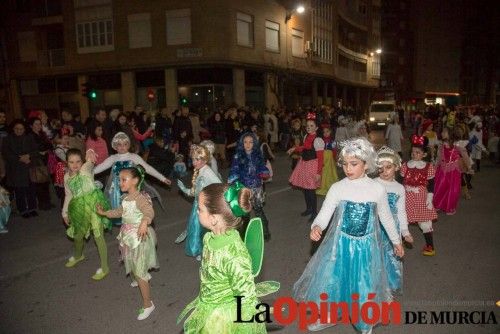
x: 19, y: 149
x: 44, y: 147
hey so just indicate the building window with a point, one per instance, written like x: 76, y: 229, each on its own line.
x: 139, y: 31
x: 297, y: 43
x: 27, y: 46
x: 95, y: 35
x: 178, y: 26
x: 323, y: 31
x: 362, y: 8
x: 343, y: 61
x: 244, y: 28
x: 376, y: 66
x: 272, y: 36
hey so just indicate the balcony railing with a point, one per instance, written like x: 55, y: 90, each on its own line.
x: 351, y: 75
x: 51, y: 58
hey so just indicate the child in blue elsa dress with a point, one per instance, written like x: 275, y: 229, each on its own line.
x: 350, y: 259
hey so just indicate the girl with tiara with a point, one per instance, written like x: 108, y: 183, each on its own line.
x: 203, y: 175
x: 226, y: 266
x: 250, y: 169
x: 329, y: 174
x: 448, y: 174
x: 389, y: 162
x: 350, y: 260
x: 213, y: 161
x: 137, y: 237
x: 307, y: 173
x: 418, y: 180
x: 124, y: 159
x: 79, y: 209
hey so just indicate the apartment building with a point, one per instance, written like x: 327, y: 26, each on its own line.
x: 202, y: 53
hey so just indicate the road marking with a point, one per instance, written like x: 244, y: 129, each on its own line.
x: 114, y: 242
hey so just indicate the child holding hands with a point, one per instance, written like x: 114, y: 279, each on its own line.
x: 79, y: 209
x: 137, y: 238
x: 389, y: 162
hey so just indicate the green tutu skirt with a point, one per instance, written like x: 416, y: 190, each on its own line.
x: 83, y: 216
x: 209, y: 318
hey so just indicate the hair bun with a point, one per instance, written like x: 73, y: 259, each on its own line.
x: 244, y: 199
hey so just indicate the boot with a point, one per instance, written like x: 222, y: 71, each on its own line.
x: 466, y: 192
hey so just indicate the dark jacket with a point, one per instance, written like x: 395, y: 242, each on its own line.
x: 17, y: 172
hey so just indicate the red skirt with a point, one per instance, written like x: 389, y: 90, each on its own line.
x: 416, y: 207
x: 304, y: 175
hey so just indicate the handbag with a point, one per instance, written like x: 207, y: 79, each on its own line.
x: 39, y: 174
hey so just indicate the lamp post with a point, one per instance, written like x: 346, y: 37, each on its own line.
x: 299, y: 9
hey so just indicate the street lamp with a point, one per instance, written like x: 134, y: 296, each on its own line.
x: 378, y: 51
x: 299, y: 9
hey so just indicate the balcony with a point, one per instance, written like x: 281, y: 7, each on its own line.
x: 51, y: 58
x: 351, y: 75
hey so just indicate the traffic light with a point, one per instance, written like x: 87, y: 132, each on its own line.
x: 151, y: 95
x: 89, y: 91
x: 183, y: 101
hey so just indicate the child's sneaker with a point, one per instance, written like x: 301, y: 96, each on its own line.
x: 145, y: 312
x: 428, y: 251
x: 72, y: 261
x: 100, y: 274
x: 134, y: 284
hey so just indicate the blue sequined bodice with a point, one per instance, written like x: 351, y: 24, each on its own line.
x: 393, y: 200
x: 119, y: 165
x: 357, y: 219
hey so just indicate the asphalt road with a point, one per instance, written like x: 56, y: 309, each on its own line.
x: 39, y: 295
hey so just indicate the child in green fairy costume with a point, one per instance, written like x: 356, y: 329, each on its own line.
x: 79, y: 209
x: 226, y: 266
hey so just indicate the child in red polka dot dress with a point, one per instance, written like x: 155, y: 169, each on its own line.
x: 418, y: 181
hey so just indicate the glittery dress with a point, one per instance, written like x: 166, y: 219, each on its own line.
x: 81, y: 199
x: 195, y: 231
x: 225, y: 272
x: 350, y: 258
x: 393, y: 264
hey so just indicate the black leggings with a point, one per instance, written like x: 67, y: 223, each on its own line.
x: 311, y: 201
x: 25, y: 199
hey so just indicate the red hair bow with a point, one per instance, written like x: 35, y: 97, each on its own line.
x: 418, y: 140
x: 311, y: 116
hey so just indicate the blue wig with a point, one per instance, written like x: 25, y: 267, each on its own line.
x: 242, y: 160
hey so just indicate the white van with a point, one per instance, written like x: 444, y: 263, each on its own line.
x: 381, y: 112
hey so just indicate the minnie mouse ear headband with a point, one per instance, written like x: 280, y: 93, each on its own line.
x: 311, y: 116
x: 387, y: 154
x: 325, y: 125
x: 419, y: 141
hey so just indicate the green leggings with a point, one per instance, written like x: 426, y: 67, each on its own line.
x: 101, y: 248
